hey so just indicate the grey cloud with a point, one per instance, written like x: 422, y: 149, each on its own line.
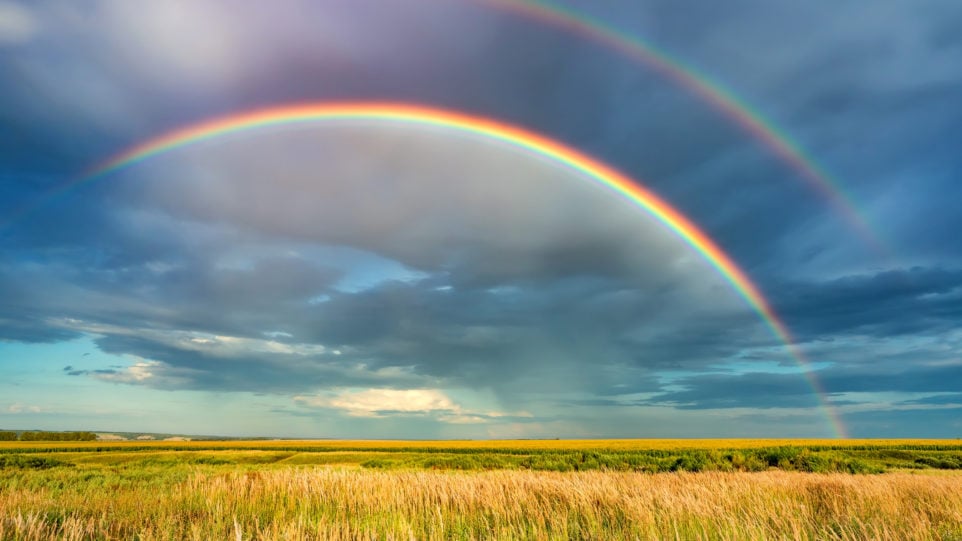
x: 769, y: 390
x: 750, y: 390
x: 29, y: 328
x: 921, y: 301
x: 482, y: 212
x: 948, y: 399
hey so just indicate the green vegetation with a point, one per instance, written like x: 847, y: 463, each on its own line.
x: 863, y: 458
x: 29, y: 462
x: 40, y: 435
x: 692, y: 460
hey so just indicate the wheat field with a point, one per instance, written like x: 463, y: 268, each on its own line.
x: 603, y: 489
x: 350, y: 503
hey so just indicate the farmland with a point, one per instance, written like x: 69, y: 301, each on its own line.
x: 317, y: 489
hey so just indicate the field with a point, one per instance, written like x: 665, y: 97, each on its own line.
x: 644, y: 489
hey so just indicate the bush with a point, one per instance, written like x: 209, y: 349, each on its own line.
x: 860, y: 466
x: 29, y: 462
x: 38, y: 435
x: 939, y: 462
x: 694, y: 462
x: 548, y: 462
x: 380, y: 464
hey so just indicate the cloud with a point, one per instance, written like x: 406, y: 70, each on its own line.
x: 844, y: 384
x: 17, y: 24
x: 20, y: 408
x: 379, y: 403
x: 378, y: 243
x: 874, y: 304
x: 940, y: 399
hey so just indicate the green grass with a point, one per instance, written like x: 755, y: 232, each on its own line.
x: 817, y: 458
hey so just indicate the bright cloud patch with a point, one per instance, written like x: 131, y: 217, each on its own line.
x: 18, y: 407
x: 387, y: 402
x: 16, y: 23
x: 379, y: 402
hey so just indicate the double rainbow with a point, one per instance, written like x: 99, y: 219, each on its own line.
x: 511, y: 136
x: 708, y: 91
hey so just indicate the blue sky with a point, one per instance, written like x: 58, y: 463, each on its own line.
x: 371, y: 279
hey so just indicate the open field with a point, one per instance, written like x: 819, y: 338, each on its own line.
x: 403, y: 490
x: 652, y: 456
x: 539, y: 445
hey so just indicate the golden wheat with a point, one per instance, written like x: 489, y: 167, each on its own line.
x: 338, y: 503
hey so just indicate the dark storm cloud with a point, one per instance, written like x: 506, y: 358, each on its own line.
x: 32, y: 329
x: 869, y: 104
x: 563, y: 336
x: 572, y: 292
x: 572, y: 88
x: 174, y: 365
x: 917, y: 301
x: 951, y: 399
x: 751, y: 390
x: 189, y: 292
x: 766, y: 390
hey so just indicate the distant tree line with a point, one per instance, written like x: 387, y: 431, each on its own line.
x: 39, y: 435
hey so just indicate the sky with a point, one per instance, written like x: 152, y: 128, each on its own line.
x: 369, y: 278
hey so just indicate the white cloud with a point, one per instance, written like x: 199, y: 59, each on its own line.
x: 17, y: 25
x: 378, y: 402
x: 386, y: 402
x: 212, y: 344
x: 147, y: 372
x: 18, y: 407
x: 189, y: 42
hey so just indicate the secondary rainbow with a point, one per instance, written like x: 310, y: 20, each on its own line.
x: 711, y: 92
x: 496, y: 131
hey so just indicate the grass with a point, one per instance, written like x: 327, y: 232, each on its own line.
x: 652, y: 456
x: 337, y: 503
x: 483, y: 490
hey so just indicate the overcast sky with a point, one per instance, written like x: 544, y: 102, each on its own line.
x: 374, y: 279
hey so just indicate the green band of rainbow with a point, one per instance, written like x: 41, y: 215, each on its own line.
x: 496, y: 131
x: 711, y: 92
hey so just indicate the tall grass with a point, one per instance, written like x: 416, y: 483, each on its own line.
x: 208, y: 502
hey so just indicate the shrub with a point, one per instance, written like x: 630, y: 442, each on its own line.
x: 38, y: 435
x: 29, y: 462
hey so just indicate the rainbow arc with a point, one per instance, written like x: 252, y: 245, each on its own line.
x: 512, y: 136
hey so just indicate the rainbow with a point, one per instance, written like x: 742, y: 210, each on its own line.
x: 710, y: 92
x: 494, y: 131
